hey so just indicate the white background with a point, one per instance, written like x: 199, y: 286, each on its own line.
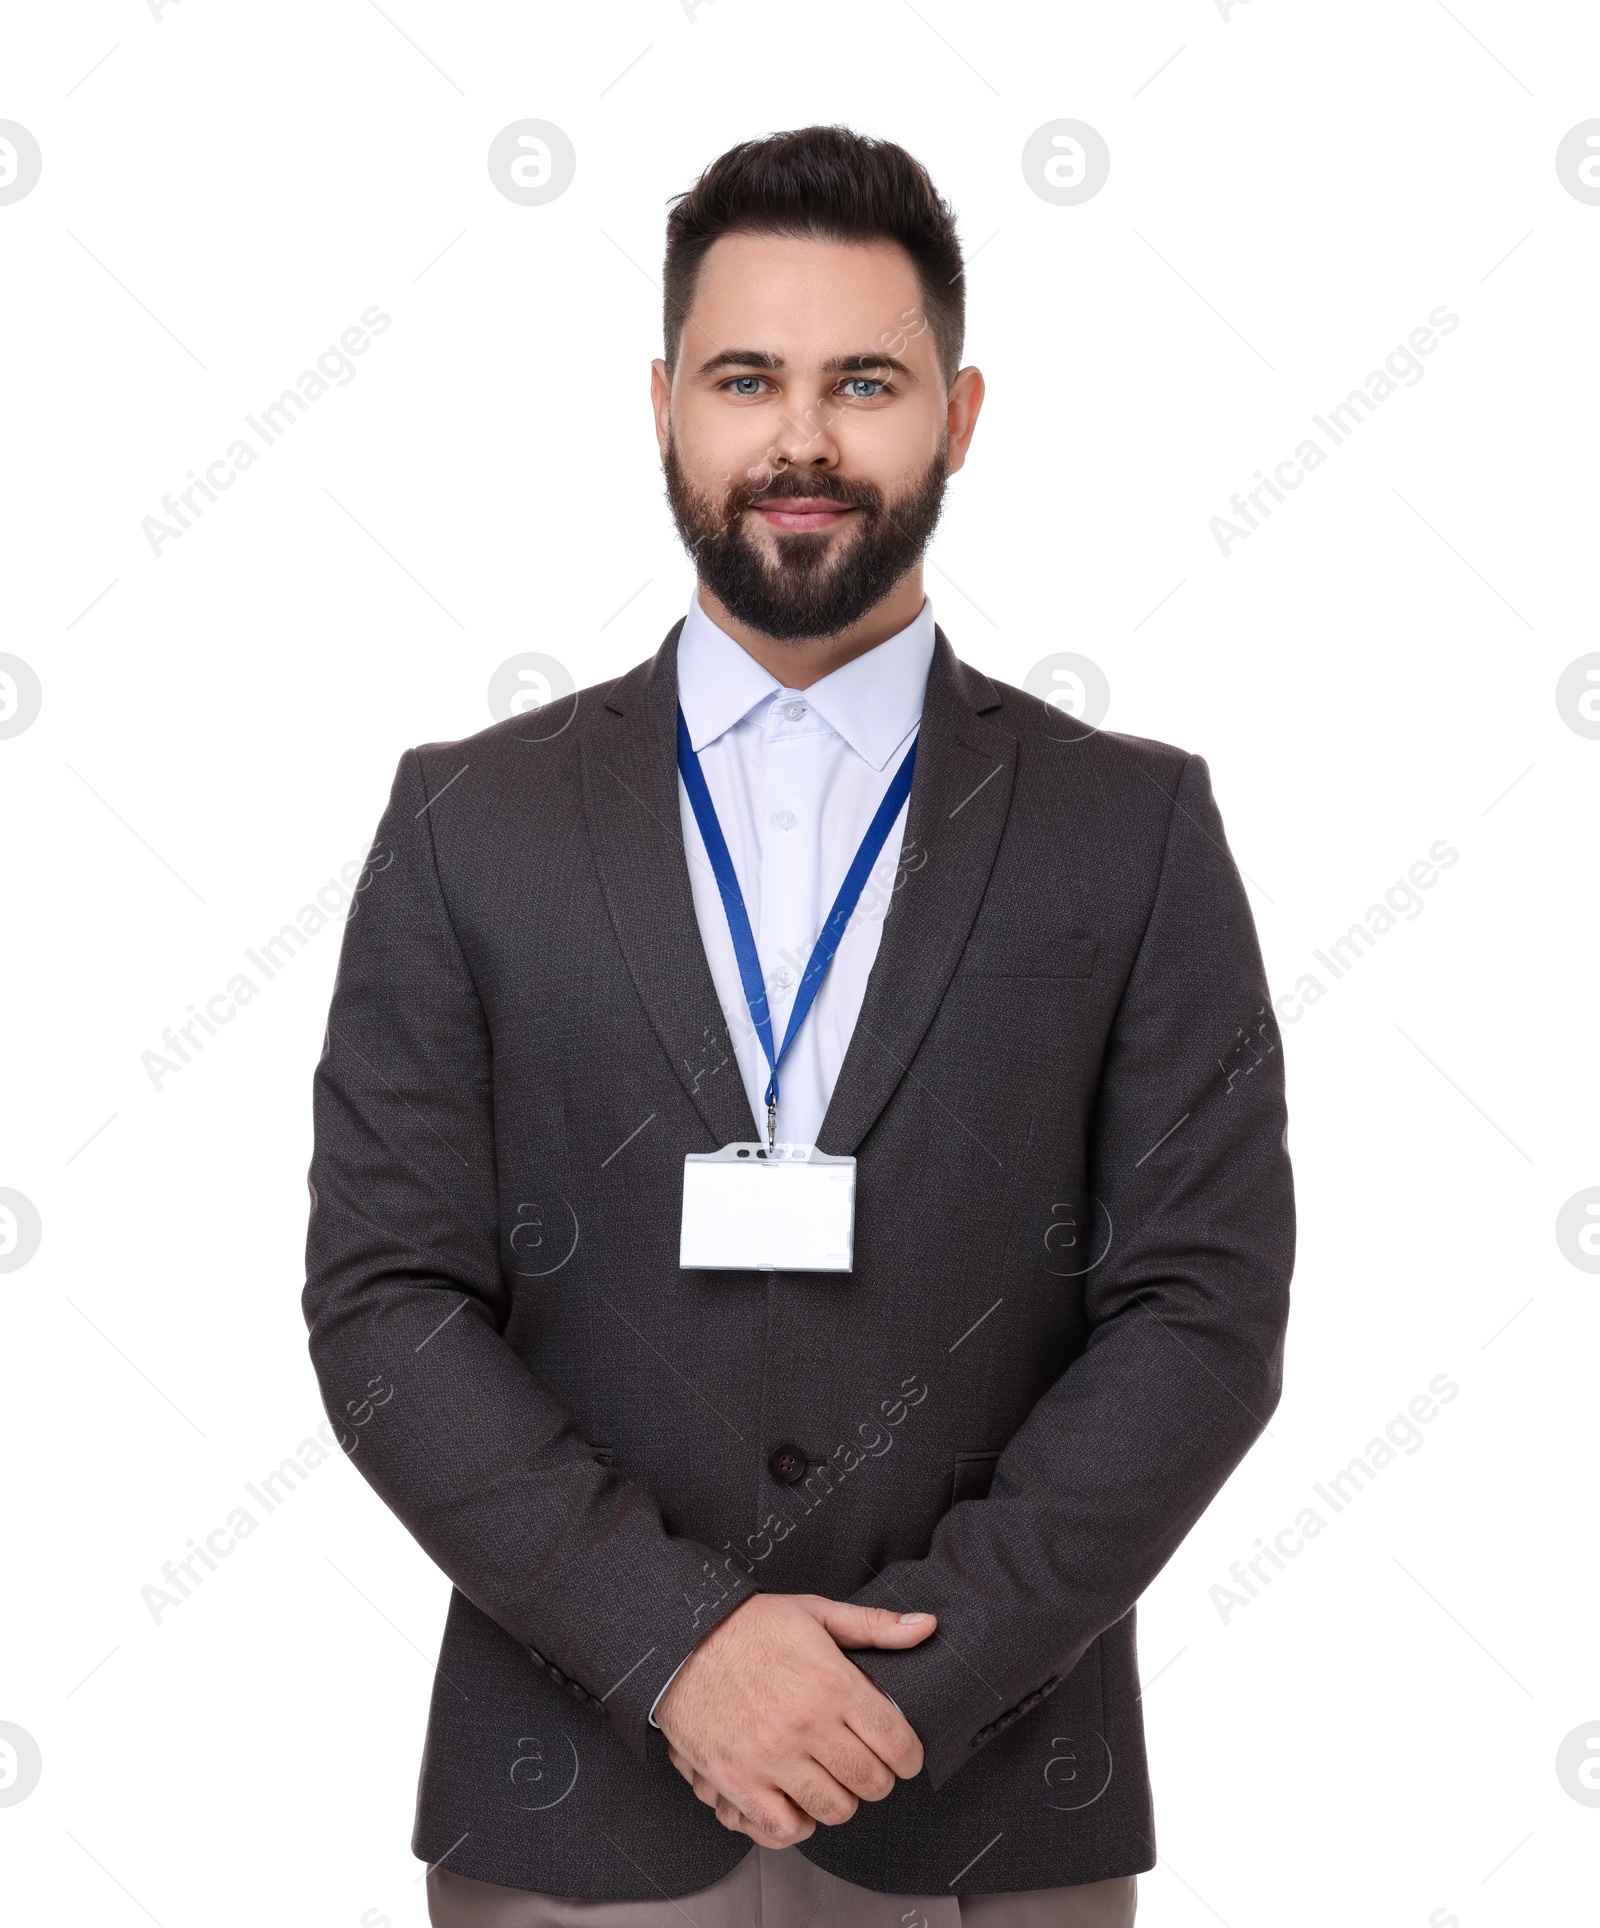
x: 1373, y: 1739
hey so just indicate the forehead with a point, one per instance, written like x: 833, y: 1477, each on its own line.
x: 802, y: 297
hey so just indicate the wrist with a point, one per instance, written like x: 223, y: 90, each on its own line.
x: 665, y: 1700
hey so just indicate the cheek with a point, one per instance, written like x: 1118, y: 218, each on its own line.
x: 718, y: 447
x: 893, y: 451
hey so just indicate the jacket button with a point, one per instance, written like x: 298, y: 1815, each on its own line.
x: 788, y: 1464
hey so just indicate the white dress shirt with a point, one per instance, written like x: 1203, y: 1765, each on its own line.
x: 796, y: 776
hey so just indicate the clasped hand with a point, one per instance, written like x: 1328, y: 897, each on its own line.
x: 776, y: 1730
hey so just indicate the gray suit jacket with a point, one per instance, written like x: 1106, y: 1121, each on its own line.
x: 1074, y: 1237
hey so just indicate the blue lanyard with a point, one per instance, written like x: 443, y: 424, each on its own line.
x: 744, y: 943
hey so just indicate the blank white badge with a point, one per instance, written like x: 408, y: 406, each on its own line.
x: 746, y: 1209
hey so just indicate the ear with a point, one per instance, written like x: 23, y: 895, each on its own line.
x: 661, y: 402
x: 963, y: 404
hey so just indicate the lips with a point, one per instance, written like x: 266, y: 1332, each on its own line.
x: 804, y: 514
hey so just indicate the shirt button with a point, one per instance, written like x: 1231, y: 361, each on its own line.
x: 786, y: 820
x: 787, y: 1464
x: 783, y: 977
x: 794, y: 711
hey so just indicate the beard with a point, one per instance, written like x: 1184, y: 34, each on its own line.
x: 815, y: 585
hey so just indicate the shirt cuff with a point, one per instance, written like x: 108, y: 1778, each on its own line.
x: 665, y: 1685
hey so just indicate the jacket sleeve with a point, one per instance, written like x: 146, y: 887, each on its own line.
x: 1186, y: 1312
x: 407, y: 1307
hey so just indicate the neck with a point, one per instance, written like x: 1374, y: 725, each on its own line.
x: 799, y: 664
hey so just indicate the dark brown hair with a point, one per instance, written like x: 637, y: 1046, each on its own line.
x: 832, y: 183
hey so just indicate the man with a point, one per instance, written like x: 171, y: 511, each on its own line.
x: 797, y: 1510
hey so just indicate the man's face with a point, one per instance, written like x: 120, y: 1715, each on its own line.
x: 806, y: 431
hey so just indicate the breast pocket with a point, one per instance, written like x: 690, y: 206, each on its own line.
x: 1029, y: 953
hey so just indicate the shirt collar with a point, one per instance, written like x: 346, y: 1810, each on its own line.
x: 873, y: 702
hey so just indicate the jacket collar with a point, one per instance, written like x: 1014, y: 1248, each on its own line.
x: 959, y: 802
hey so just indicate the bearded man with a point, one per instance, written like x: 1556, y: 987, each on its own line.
x: 801, y: 1137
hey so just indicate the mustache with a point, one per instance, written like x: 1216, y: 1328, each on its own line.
x: 787, y: 484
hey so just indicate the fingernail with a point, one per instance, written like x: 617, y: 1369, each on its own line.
x: 906, y: 1619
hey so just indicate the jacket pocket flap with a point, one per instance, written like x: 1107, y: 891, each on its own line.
x: 974, y: 1475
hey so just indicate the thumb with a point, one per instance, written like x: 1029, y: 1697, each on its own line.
x: 853, y: 1626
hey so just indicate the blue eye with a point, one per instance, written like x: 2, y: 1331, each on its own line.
x: 864, y: 388
x: 746, y: 384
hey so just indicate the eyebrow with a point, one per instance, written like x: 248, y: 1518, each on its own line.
x: 834, y: 365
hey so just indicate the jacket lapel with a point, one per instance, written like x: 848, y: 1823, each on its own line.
x: 959, y: 799
x: 630, y: 788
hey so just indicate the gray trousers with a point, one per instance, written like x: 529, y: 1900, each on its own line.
x: 779, y: 1888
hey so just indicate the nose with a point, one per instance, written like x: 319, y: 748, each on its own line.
x: 804, y: 439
